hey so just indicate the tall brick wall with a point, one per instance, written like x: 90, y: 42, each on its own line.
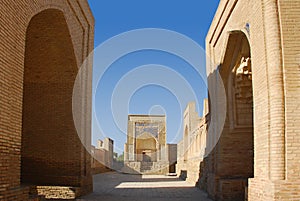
x: 45, y: 60
x: 290, y: 37
x: 234, y: 149
x: 49, y: 138
x: 191, y: 148
x: 271, y: 28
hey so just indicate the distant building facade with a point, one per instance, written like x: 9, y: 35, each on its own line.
x: 146, y: 149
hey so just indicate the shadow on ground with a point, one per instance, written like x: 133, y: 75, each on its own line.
x: 115, y: 186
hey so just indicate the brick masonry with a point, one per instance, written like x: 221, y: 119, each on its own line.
x: 34, y: 99
x: 191, y: 148
x: 146, y: 150
x: 253, y: 50
x: 43, y: 43
x: 102, y: 156
x: 272, y: 31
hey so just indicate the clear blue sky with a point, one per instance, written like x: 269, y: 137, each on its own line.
x: 191, y: 18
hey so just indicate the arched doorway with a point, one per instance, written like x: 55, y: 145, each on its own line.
x: 51, y: 150
x: 234, y: 152
x: 146, y: 148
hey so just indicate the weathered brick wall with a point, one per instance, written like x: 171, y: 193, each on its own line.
x: 98, y: 161
x: 191, y: 148
x: 102, y: 156
x: 289, y: 12
x: 234, y: 148
x: 271, y: 28
x: 49, y: 138
x: 47, y: 111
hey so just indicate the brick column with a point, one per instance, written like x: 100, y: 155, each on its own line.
x: 276, y: 90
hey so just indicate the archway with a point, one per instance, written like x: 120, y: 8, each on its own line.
x: 146, y: 148
x: 51, y: 152
x: 235, y: 149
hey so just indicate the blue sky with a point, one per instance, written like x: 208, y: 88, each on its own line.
x: 191, y: 18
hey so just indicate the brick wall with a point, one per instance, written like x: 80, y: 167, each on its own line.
x: 53, y: 55
x: 233, y: 161
x: 271, y: 28
x: 191, y: 148
x: 289, y: 18
x: 98, y: 161
x: 102, y: 156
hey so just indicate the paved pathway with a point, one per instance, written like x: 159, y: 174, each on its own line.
x: 123, y: 187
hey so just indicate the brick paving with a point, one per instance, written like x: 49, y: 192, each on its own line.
x: 124, y: 187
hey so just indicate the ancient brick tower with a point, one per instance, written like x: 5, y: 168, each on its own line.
x: 43, y: 44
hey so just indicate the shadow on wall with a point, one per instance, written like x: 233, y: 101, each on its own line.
x: 183, y: 174
x: 225, y: 170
